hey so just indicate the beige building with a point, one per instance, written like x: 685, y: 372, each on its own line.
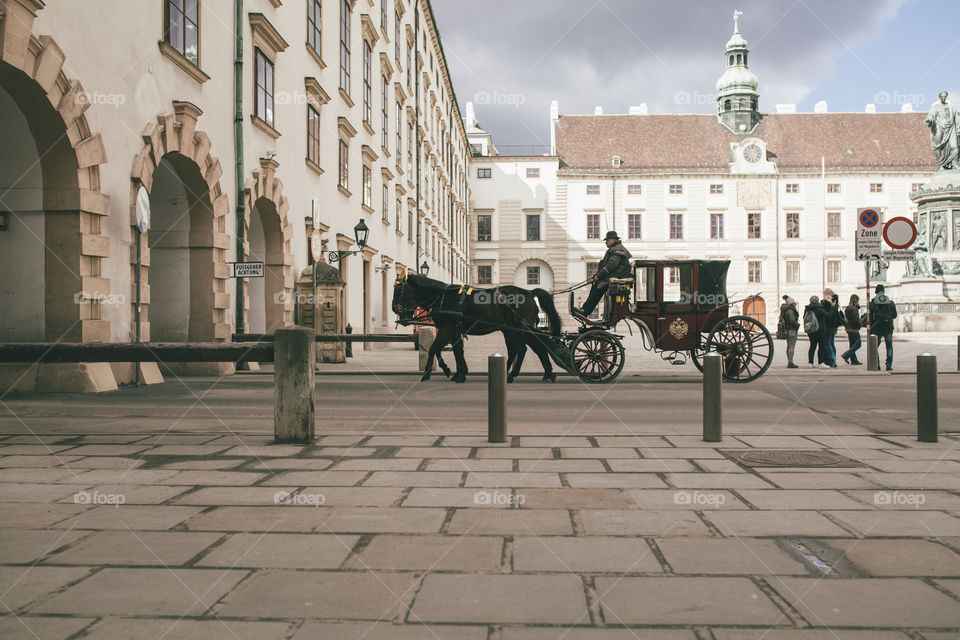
x: 328, y: 112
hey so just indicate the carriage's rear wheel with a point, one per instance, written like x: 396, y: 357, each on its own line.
x: 745, y: 346
x: 597, y: 356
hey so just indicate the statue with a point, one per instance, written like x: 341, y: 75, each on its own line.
x: 956, y: 230
x: 938, y: 231
x: 942, y: 121
x: 878, y: 270
x: 923, y: 262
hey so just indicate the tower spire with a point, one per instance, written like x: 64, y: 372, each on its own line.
x: 736, y: 20
x: 737, y: 96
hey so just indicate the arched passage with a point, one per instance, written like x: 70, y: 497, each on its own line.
x: 532, y: 274
x: 269, y: 300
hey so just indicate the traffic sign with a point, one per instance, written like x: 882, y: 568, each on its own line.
x: 900, y: 254
x: 316, y: 245
x: 867, y: 238
x: 247, y: 269
x: 900, y: 233
x: 143, y: 210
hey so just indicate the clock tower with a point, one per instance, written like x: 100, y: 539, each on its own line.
x: 737, y: 97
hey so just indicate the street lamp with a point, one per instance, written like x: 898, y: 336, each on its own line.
x: 360, y: 232
x: 424, y: 268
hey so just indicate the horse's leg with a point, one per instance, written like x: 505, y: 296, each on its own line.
x: 520, y: 350
x: 441, y: 339
x: 543, y: 353
x: 443, y: 365
x: 461, y: 374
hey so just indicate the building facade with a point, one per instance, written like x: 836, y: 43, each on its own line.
x: 243, y: 126
x: 775, y: 193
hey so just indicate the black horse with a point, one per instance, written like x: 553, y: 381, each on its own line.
x: 458, y: 310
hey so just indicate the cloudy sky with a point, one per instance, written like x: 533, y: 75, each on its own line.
x: 511, y: 57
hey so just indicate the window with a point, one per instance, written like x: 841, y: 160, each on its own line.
x: 383, y: 14
x: 753, y: 225
x: 367, y: 186
x: 533, y: 173
x: 345, y: 46
x: 673, y: 275
x: 833, y: 187
x: 916, y: 186
x: 593, y: 189
x: 634, y: 189
x: 484, y: 227
x: 409, y: 65
x: 411, y: 229
x: 793, y: 224
x: 344, y: 165
x: 483, y: 172
x: 792, y: 187
x: 399, y: 135
x: 533, y: 275
x: 876, y: 187
x: 533, y: 227
x: 396, y: 36
x: 593, y: 226
x: 399, y: 215
x: 716, y: 189
x: 833, y: 224
x: 633, y: 226
x: 484, y: 274
x: 676, y: 226
x: 384, y: 112
x: 313, y: 25
x: 833, y: 271
x: 367, y: 79
x: 264, y: 84
x: 313, y: 135
x: 793, y: 271
x: 754, y: 271
x: 183, y: 28
x: 675, y: 189
x: 716, y: 226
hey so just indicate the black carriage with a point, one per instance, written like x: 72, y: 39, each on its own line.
x: 681, y: 309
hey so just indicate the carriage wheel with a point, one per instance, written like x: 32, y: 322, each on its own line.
x: 597, y: 356
x: 745, y: 345
x: 697, y: 353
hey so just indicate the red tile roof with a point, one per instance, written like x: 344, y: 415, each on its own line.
x: 700, y: 143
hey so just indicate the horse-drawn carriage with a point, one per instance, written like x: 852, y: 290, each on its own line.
x: 680, y: 308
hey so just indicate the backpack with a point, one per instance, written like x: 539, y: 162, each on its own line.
x: 810, y: 322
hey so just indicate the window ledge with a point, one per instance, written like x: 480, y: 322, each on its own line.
x: 342, y: 189
x: 409, y: 241
x: 385, y: 221
x: 264, y: 126
x: 316, y: 56
x: 399, y: 232
x: 386, y: 154
x: 367, y: 208
x: 181, y: 61
x: 314, y: 166
x: 369, y: 128
x: 346, y: 97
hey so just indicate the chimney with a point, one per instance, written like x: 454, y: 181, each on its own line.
x: 870, y: 108
x: 906, y: 108
x: 639, y: 110
x: 471, y: 118
x: 554, y: 117
x: 820, y: 107
x: 786, y: 108
x: 598, y: 111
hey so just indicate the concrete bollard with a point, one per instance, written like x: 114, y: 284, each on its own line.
x: 294, y: 359
x: 927, y: 414
x: 873, y: 353
x: 425, y: 336
x: 712, y: 390
x: 496, y: 398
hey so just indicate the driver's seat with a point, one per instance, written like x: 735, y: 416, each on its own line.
x: 618, y: 292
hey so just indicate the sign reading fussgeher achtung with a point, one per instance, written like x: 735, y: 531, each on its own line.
x: 247, y: 270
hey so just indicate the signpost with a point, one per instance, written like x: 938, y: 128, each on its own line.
x: 143, y: 223
x: 900, y: 233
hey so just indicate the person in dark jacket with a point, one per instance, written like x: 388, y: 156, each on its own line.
x: 790, y: 318
x: 834, y: 320
x: 615, y: 264
x: 852, y: 324
x: 882, y: 314
x: 818, y: 342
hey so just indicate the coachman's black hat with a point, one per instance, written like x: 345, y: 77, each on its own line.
x: 611, y: 234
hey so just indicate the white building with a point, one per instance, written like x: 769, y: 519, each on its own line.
x: 776, y: 194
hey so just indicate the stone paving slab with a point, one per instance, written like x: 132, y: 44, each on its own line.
x: 909, y: 557
x: 736, y: 556
x: 135, y: 548
x: 430, y: 553
x: 186, y: 629
x: 280, y: 551
x: 387, y: 631
x: 44, y: 627
x: 21, y: 586
x: 595, y: 554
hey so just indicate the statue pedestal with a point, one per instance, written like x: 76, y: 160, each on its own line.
x: 926, y: 304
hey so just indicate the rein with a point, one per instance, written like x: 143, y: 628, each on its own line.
x: 571, y: 288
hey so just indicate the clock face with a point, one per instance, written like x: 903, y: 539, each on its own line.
x: 752, y: 153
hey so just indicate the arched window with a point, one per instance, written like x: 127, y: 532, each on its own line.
x: 744, y: 59
x: 739, y: 58
x: 726, y: 105
x: 731, y: 59
x: 753, y: 104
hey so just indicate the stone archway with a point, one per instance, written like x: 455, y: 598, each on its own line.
x: 53, y: 249
x: 268, y: 237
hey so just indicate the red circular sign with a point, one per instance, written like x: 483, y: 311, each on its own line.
x: 316, y: 245
x: 869, y: 218
x: 900, y: 232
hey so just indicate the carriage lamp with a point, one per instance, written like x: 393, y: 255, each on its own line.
x: 360, y: 232
x: 425, y: 268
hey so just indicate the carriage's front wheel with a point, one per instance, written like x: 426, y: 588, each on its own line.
x: 745, y: 346
x: 597, y: 356
x: 697, y: 353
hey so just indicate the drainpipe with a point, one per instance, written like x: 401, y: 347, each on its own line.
x: 416, y: 122
x: 238, y: 152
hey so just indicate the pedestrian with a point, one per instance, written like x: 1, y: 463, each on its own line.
x: 883, y: 311
x: 789, y: 323
x: 814, y: 317
x: 852, y: 324
x: 834, y: 320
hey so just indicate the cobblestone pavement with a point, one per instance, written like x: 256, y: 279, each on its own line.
x: 204, y: 535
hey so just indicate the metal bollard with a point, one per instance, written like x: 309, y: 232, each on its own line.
x: 873, y: 353
x: 712, y: 405
x: 496, y: 398
x: 294, y: 360
x: 927, y: 414
x: 958, y: 353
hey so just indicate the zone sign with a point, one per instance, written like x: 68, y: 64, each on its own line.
x: 867, y: 246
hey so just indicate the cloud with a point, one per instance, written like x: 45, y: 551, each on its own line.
x: 618, y: 53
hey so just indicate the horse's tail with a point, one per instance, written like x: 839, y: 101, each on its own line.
x: 546, y: 303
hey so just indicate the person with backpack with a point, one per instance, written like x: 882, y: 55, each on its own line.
x: 852, y: 324
x: 787, y: 327
x: 833, y: 321
x: 883, y: 311
x: 814, y: 316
